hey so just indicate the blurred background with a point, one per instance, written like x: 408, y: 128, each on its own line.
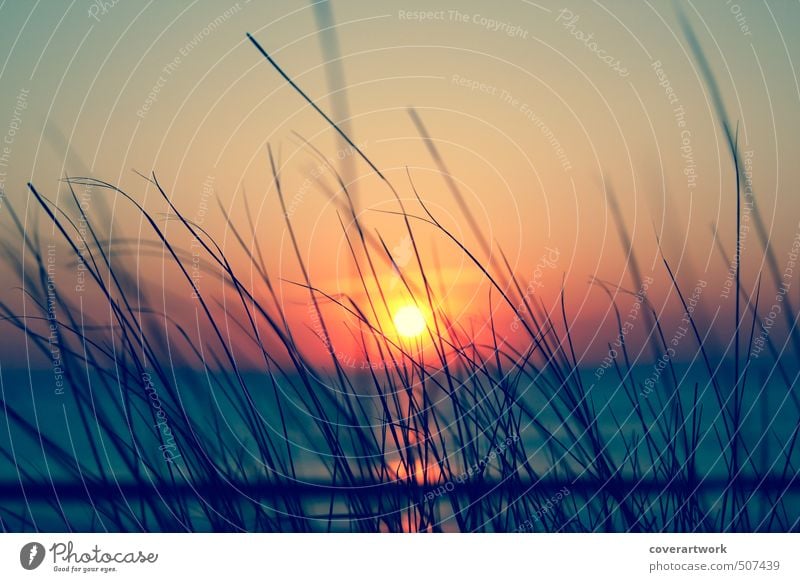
x: 540, y: 111
x: 581, y: 147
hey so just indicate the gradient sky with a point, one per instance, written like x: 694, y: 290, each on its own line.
x: 533, y: 125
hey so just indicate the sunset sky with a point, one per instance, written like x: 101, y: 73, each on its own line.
x: 538, y: 110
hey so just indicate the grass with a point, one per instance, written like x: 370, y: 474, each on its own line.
x: 230, y: 422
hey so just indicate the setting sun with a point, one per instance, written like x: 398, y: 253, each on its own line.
x: 409, y: 321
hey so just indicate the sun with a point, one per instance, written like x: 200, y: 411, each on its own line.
x: 409, y: 321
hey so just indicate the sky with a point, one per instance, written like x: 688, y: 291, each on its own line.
x: 541, y: 112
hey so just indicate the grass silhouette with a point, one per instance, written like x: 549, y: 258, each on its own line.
x: 171, y: 428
